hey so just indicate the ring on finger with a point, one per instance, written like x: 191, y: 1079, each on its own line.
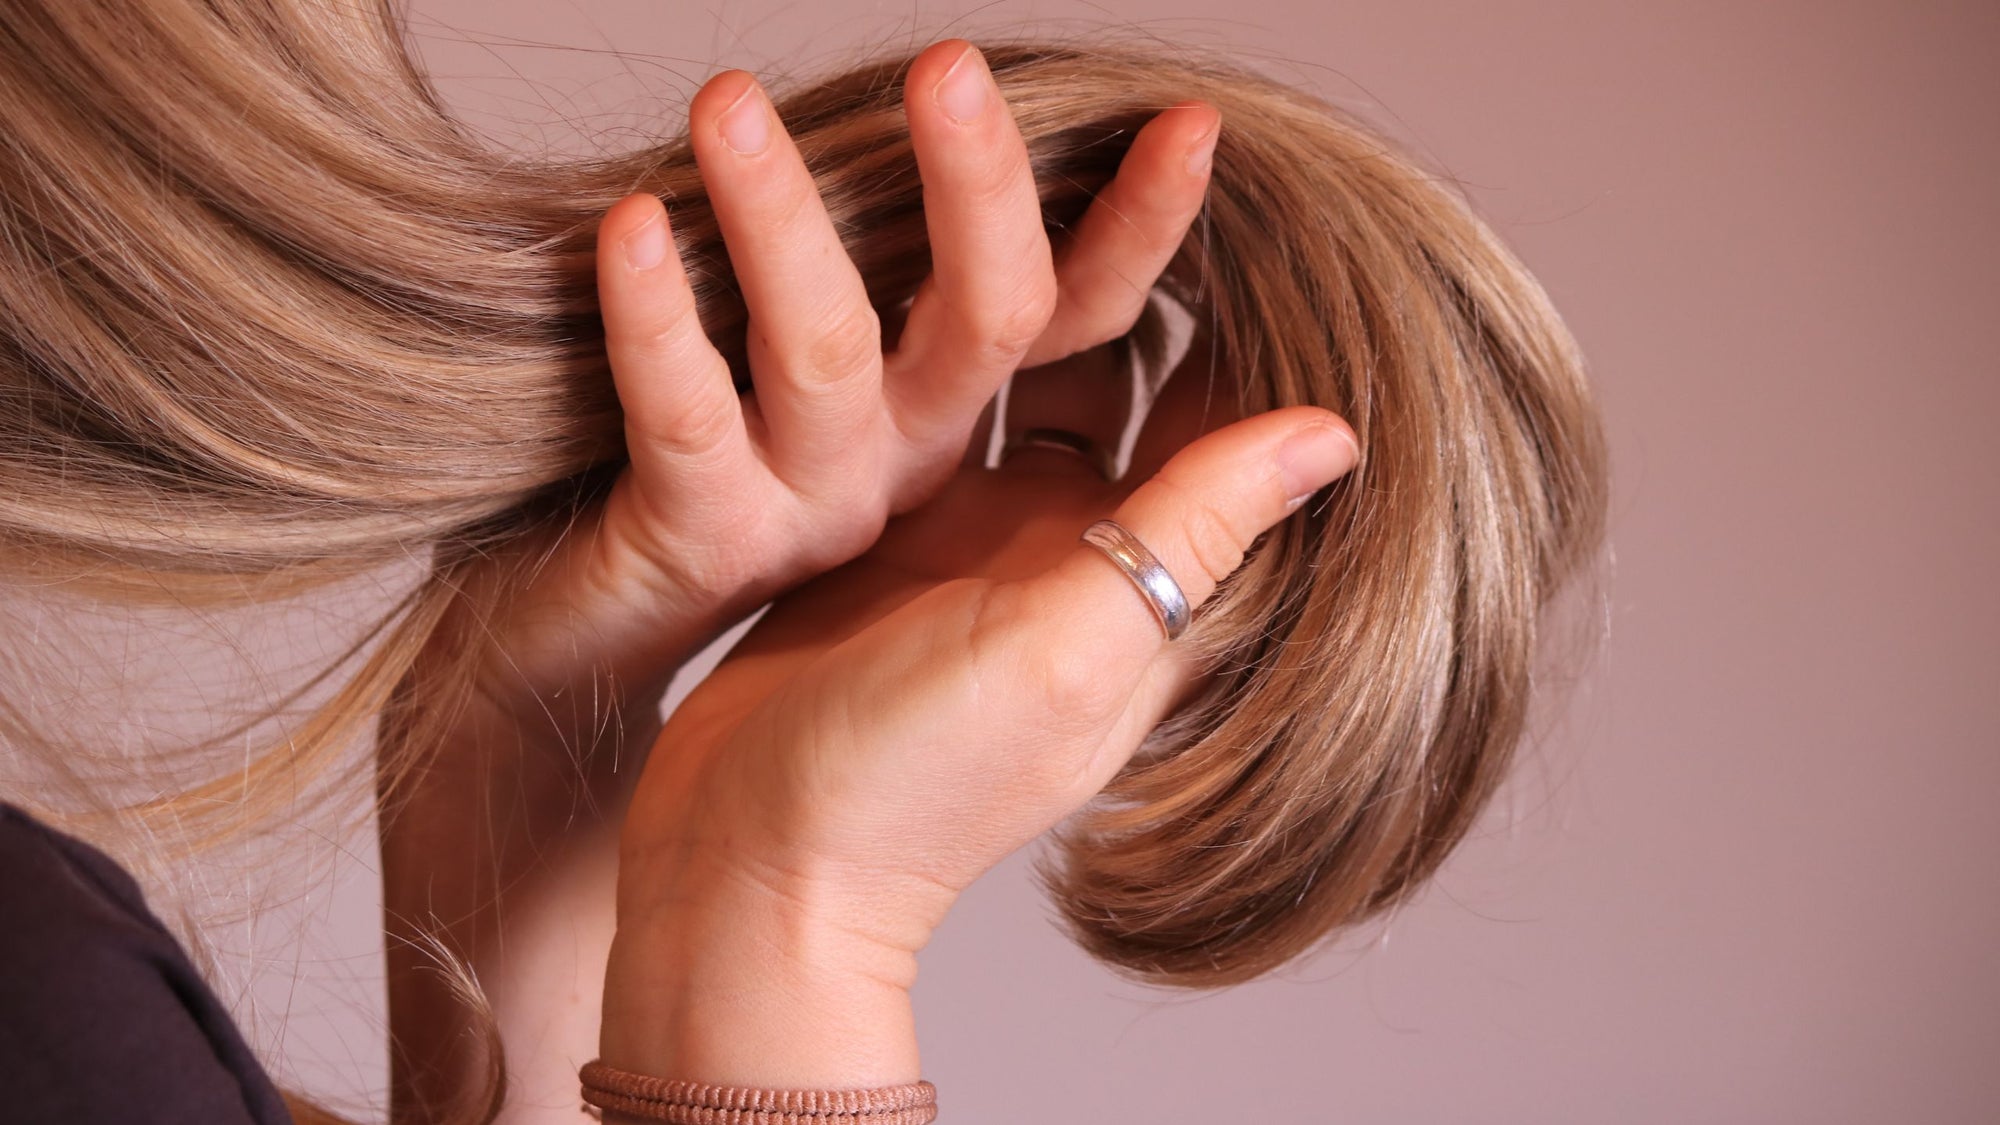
x: 1163, y: 595
x: 1064, y: 441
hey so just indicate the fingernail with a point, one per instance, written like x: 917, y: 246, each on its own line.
x: 647, y: 246
x: 966, y: 88
x: 746, y: 125
x: 1314, y: 458
x: 1203, y: 152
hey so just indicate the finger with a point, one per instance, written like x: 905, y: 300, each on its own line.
x: 1198, y: 516
x: 992, y: 284
x: 1117, y: 251
x: 815, y: 344
x: 681, y: 410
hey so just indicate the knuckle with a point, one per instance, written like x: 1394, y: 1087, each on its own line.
x: 995, y: 194
x: 992, y: 623
x: 1206, y: 531
x: 1212, y: 542
x: 1161, y: 231
x: 1060, y: 685
x: 663, y: 333
x: 1069, y: 685
x: 1005, y: 331
x: 1033, y: 311
x: 702, y: 425
x: 789, y: 205
x: 849, y: 344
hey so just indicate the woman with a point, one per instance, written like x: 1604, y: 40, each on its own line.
x: 336, y: 332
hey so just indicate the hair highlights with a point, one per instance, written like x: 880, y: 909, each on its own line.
x: 268, y: 314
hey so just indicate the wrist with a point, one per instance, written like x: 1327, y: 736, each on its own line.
x: 726, y: 979
x: 575, y: 646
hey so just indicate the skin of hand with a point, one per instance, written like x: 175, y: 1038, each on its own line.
x: 727, y: 501
x: 892, y: 730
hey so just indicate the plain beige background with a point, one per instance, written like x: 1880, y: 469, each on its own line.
x: 1750, y: 877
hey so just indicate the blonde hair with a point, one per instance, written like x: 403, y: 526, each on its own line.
x: 269, y: 315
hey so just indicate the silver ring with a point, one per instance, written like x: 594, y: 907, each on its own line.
x: 1163, y: 595
x: 1066, y: 441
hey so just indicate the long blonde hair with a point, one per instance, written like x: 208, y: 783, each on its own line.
x: 269, y: 316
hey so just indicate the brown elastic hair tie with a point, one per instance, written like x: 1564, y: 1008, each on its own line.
x: 697, y: 1103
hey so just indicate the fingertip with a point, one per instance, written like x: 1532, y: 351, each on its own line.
x: 731, y: 114
x: 1178, y: 132
x: 1314, y: 456
x: 637, y: 228
x: 932, y: 63
x: 626, y: 216
x: 1308, y: 417
x: 1201, y: 150
x: 1198, y: 117
x: 721, y: 91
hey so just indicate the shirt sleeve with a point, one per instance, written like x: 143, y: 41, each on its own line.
x: 102, y: 1014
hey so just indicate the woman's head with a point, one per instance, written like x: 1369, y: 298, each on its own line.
x: 268, y: 315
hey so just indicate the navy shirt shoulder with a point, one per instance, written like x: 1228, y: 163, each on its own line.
x: 102, y: 1014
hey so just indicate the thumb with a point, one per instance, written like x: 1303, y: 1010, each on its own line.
x: 1197, y: 516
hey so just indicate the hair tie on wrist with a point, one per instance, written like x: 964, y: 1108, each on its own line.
x: 697, y: 1103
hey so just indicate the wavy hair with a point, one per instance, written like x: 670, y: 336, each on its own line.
x: 270, y: 315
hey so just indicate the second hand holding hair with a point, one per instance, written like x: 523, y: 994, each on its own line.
x: 813, y: 809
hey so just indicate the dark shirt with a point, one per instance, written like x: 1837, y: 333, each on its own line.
x: 102, y: 1016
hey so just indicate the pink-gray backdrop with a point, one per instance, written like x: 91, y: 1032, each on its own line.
x: 1750, y: 876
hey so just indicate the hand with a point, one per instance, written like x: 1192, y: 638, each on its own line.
x: 726, y: 501
x: 729, y: 500
x: 889, y: 732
